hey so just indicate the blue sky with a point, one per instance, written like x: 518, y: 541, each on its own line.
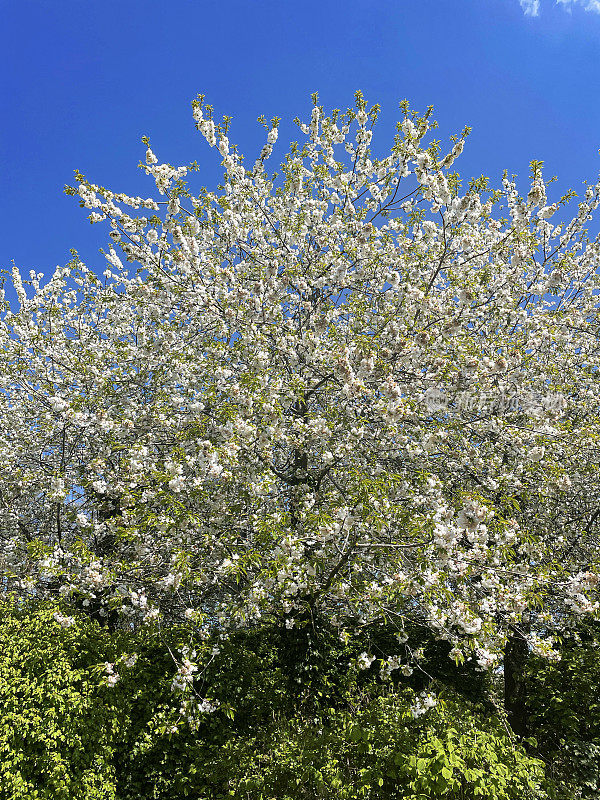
x: 82, y: 82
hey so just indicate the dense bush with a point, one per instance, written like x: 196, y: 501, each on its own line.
x: 564, y: 712
x: 57, y: 726
x: 345, y: 733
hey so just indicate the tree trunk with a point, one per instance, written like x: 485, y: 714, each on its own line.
x: 515, y: 691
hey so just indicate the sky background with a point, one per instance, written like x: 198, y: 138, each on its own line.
x: 82, y: 82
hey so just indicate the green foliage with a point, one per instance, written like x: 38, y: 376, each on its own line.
x: 564, y: 712
x: 375, y: 749
x: 297, y: 719
x: 55, y: 732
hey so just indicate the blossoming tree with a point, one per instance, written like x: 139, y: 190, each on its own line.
x: 356, y: 388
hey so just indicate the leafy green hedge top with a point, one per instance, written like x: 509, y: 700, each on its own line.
x: 66, y: 735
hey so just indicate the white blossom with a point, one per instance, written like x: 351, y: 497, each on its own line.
x: 295, y: 386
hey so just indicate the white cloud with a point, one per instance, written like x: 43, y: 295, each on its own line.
x: 532, y: 7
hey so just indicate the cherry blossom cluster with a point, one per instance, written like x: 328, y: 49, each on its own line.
x: 227, y: 427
